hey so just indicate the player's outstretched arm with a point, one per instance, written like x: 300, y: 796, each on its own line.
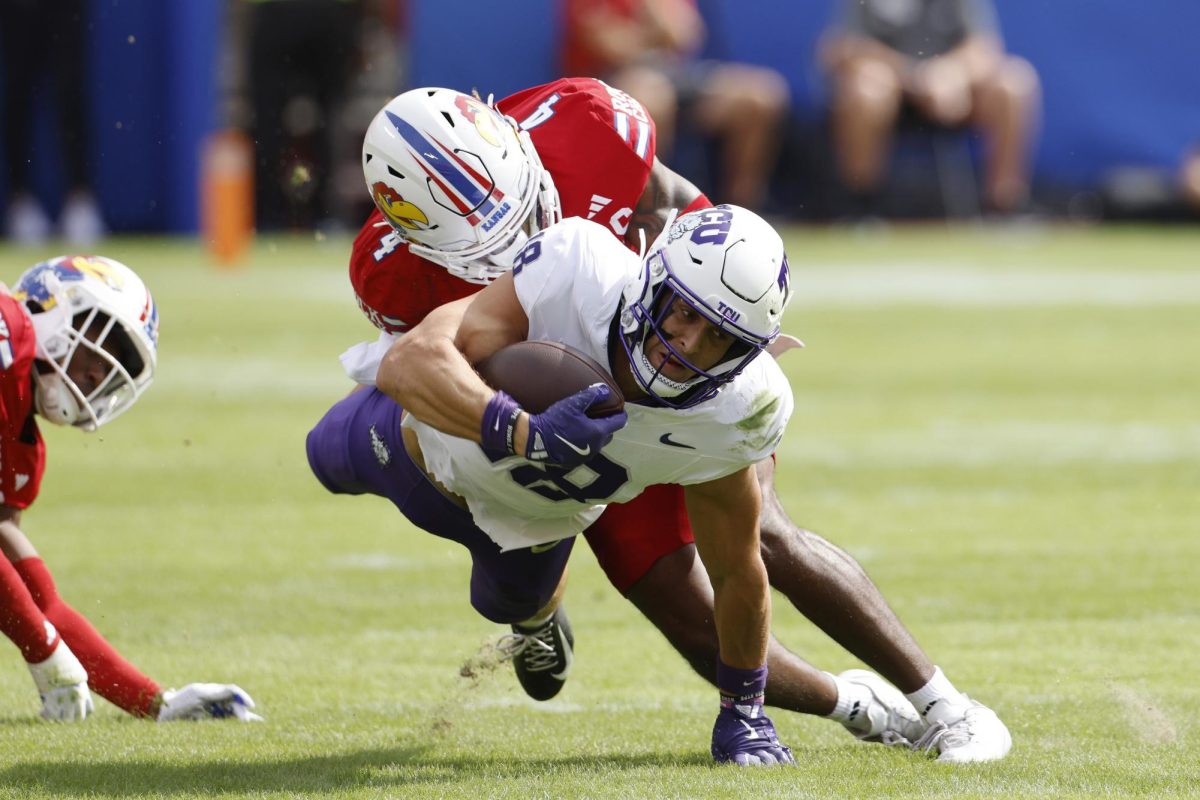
x: 428, y: 370
x: 724, y: 516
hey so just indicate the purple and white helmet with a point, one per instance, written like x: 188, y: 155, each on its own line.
x: 728, y: 264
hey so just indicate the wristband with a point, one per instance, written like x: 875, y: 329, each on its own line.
x: 499, y: 425
x: 741, y: 686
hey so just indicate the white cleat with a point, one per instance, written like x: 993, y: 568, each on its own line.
x: 978, y: 735
x: 889, y: 717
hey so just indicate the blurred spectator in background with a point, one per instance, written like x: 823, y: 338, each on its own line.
x: 648, y: 49
x: 299, y: 56
x: 1189, y: 178
x: 44, y: 47
x: 943, y: 60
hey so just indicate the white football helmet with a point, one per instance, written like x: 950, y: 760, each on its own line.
x: 460, y: 183
x: 728, y: 264
x: 96, y: 304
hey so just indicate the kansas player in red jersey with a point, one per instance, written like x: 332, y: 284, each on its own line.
x: 78, y: 343
x: 458, y: 190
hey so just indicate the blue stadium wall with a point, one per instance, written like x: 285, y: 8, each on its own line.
x: 1120, y: 81
x: 151, y: 74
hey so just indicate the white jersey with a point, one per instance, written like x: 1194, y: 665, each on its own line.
x: 571, y: 291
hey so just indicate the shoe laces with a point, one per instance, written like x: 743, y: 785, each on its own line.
x: 932, y: 737
x: 536, y: 648
x: 949, y: 736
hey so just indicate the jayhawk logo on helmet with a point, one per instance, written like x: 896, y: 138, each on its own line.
x: 398, y: 211
x: 482, y: 117
x: 34, y: 286
x: 98, y: 268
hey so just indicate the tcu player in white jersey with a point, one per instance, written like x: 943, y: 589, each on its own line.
x: 579, y: 143
x: 682, y: 330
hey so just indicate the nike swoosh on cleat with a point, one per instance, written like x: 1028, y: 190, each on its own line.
x: 568, y: 657
x: 583, y: 451
x: 666, y: 439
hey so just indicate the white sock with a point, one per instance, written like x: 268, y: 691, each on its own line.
x: 852, y: 702
x: 938, y: 699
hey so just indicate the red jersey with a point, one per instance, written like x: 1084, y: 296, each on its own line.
x: 596, y: 142
x: 22, y: 451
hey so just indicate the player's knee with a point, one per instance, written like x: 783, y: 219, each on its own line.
x: 782, y: 540
x: 699, y: 647
x: 328, y: 457
x: 503, y: 608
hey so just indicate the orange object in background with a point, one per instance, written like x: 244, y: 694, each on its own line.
x: 227, y: 195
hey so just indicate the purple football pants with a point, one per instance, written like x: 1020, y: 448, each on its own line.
x: 356, y: 448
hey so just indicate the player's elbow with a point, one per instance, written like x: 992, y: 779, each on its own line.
x: 408, y: 363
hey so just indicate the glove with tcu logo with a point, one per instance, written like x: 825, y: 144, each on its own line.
x: 743, y: 734
x: 563, y: 434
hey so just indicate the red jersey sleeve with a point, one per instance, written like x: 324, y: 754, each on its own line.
x: 22, y: 451
x: 596, y: 141
x: 393, y: 287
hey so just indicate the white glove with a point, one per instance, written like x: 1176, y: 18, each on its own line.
x: 207, y: 701
x: 62, y: 683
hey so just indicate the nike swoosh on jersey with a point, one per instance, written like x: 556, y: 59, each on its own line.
x: 666, y: 439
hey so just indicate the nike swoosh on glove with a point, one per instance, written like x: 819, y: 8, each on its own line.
x: 743, y: 735
x: 563, y: 434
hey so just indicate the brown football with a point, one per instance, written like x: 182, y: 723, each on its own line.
x: 537, y: 374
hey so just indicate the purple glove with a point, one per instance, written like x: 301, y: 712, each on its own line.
x: 742, y: 734
x: 563, y: 434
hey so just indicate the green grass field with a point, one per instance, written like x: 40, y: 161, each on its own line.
x: 1000, y: 425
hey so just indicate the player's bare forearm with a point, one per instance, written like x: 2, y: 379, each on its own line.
x: 665, y: 190
x: 724, y: 516
x: 429, y: 376
x: 429, y: 370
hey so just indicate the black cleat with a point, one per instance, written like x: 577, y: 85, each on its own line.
x: 542, y: 656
